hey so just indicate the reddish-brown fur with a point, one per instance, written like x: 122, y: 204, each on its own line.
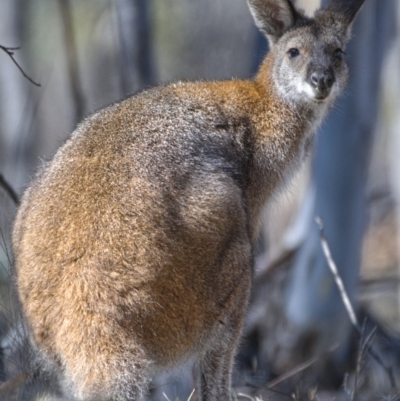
x: 133, y: 246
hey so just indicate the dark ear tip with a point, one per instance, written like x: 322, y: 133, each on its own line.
x: 347, y: 8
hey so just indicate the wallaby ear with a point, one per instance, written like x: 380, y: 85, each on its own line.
x: 347, y: 8
x: 273, y: 17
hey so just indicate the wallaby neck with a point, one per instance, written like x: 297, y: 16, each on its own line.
x: 284, y: 110
x: 281, y: 125
x: 282, y: 134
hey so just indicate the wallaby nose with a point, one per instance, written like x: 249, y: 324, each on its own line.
x: 322, y: 82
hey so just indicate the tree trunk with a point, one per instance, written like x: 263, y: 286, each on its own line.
x: 13, y: 91
x: 394, y: 91
x: 72, y: 60
x: 135, y: 45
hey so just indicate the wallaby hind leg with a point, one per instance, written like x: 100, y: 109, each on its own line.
x: 214, y: 385
x: 216, y: 363
x: 216, y: 367
x: 99, y: 359
x: 115, y: 378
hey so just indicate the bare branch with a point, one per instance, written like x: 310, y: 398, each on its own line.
x: 347, y: 303
x: 360, y: 354
x: 9, y: 189
x: 191, y: 394
x: 300, y: 368
x: 13, y: 383
x: 10, y: 52
x: 336, y: 276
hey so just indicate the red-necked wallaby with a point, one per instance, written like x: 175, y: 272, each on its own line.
x: 133, y: 246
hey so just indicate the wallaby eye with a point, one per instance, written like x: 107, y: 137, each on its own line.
x: 338, y: 53
x: 293, y: 52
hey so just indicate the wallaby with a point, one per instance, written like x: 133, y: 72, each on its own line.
x: 134, y: 245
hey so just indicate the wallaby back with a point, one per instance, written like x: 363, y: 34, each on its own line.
x: 133, y: 246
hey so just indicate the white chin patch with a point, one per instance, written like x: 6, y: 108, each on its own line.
x: 305, y: 90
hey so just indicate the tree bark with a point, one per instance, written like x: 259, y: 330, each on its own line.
x: 136, y: 69
x: 72, y: 60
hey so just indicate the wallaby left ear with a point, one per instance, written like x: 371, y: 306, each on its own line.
x: 347, y: 8
x: 273, y: 17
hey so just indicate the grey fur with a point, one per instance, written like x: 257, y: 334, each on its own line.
x: 133, y: 246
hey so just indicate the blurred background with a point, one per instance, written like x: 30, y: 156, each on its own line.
x: 298, y: 340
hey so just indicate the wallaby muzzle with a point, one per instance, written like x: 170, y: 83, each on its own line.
x: 322, y: 81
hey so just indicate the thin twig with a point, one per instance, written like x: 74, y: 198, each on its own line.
x: 300, y: 368
x: 9, y: 189
x: 10, y: 52
x: 245, y: 396
x: 258, y: 388
x: 13, y: 383
x: 191, y: 395
x: 360, y: 353
x: 368, y: 342
x: 277, y: 262
x: 346, y: 300
x: 166, y: 397
x: 336, y: 276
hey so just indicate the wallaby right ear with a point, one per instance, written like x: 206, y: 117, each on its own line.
x: 346, y: 8
x: 273, y: 17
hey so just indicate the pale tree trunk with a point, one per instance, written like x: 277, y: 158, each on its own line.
x: 14, y: 88
x: 13, y: 99
x: 313, y: 307
x: 136, y: 69
x: 70, y: 46
x: 394, y: 97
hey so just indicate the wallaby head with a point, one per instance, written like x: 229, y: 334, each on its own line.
x: 134, y: 246
x: 308, y: 53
